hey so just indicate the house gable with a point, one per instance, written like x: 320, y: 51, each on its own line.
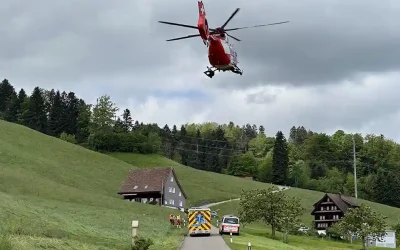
x: 173, y: 193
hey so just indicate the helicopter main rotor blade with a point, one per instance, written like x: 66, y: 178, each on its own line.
x: 230, y: 18
x: 261, y: 25
x: 183, y: 37
x: 183, y: 25
x: 237, y: 39
x: 179, y: 24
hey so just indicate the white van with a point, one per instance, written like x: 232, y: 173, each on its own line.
x: 229, y: 224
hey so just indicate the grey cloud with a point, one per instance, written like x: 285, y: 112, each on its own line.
x: 118, y: 47
x: 261, y: 98
x: 75, y: 41
x: 325, y: 41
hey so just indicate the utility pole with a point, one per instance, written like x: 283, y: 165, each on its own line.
x: 355, y: 167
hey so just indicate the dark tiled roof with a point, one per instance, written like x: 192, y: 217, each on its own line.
x: 147, y: 180
x: 341, y: 201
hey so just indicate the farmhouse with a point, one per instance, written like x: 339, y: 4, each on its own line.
x: 330, y: 209
x: 154, y: 185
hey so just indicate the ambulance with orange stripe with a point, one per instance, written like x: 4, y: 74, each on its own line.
x: 199, y: 221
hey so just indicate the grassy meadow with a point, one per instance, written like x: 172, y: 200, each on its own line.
x: 56, y: 195
x: 260, y: 238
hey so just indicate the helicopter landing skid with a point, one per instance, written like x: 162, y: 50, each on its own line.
x: 236, y: 70
x: 210, y: 72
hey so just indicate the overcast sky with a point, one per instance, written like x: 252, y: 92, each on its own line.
x: 336, y: 65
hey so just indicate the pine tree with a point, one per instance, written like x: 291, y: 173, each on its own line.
x: 72, y: 112
x: 49, y: 99
x: 167, y: 142
x: 119, y: 126
x: 183, y: 139
x: 83, y: 123
x: 64, y: 116
x: 15, y: 111
x: 35, y: 115
x: 127, y: 120
x: 280, y: 160
x: 56, y: 109
x: 7, y: 96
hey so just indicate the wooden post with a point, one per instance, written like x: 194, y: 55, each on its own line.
x: 135, y: 225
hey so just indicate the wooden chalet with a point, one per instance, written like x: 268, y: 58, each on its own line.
x: 154, y: 185
x: 330, y: 209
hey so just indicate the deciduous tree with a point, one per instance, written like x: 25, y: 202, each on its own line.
x: 266, y: 205
x: 290, y: 218
x: 104, y: 114
x: 364, y: 222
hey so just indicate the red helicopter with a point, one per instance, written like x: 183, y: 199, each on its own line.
x: 221, y: 53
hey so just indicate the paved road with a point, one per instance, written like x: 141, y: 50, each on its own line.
x: 214, y: 241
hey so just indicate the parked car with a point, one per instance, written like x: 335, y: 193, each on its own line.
x: 303, y: 229
x: 214, y: 214
x: 229, y: 224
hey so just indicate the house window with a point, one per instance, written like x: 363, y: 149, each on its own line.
x: 134, y: 187
x: 172, y: 179
x: 170, y: 189
x: 165, y: 202
x: 335, y: 207
x: 173, y: 190
x: 327, y: 208
x: 180, y: 203
x: 328, y: 200
x: 171, y: 202
x: 322, y: 208
x: 180, y: 194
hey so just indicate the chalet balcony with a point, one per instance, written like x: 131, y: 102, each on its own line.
x: 326, y: 220
x: 327, y: 211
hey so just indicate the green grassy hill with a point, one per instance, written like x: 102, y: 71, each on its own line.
x: 56, y: 195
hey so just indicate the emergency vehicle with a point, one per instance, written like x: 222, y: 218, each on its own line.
x: 229, y: 224
x: 199, y: 221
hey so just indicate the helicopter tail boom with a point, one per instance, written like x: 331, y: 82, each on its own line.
x: 202, y: 23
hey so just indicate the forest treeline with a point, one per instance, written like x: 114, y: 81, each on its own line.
x: 304, y: 159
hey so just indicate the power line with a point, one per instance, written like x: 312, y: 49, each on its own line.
x: 178, y: 136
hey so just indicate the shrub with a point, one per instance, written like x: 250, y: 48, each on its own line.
x: 142, y: 243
